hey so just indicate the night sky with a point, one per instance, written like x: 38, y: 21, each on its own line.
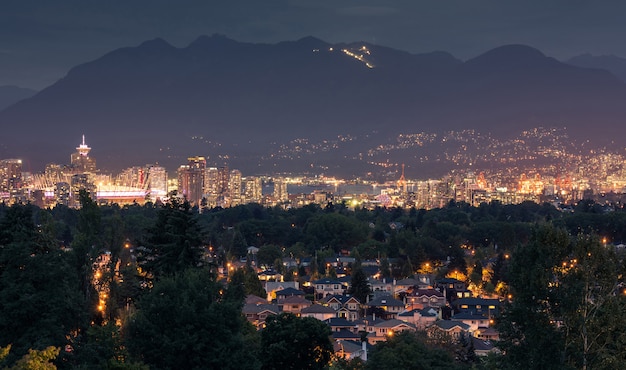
x: 40, y: 40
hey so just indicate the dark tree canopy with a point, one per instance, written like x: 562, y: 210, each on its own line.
x: 184, y: 323
x: 290, y: 342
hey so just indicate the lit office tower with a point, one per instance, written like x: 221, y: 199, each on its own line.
x: 223, y: 180
x: 210, y: 186
x: 157, y: 182
x: 253, y: 189
x: 191, y: 179
x: 81, y: 161
x: 81, y: 182
x: 235, y: 187
x: 280, y: 190
x: 10, y: 175
x: 62, y: 193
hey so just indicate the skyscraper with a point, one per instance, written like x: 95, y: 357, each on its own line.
x: 157, y: 182
x: 235, y: 187
x: 81, y: 162
x: 191, y: 179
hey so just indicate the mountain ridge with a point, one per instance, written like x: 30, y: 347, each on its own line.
x: 149, y: 101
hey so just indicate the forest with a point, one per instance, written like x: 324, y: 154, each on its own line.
x: 138, y: 287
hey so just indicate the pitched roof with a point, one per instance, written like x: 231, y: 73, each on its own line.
x: 251, y: 298
x: 449, y: 324
x: 468, y: 316
x: 294, y: 299
x: 385, y: 300
x: 289, y: 291
x: 428, y: 293
x: 258, y: 308
x: 392, y: 324
x: 339, y: 321
x: 327, y: 281
x: 346, y: 334
x: 318, y: 308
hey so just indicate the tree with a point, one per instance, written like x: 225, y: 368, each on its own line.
x: 175, y: 241
x: 185, y: 322
x: 290, y: 342
x: 38, y: 360
x: 528, y: 333
x: 359, y: 286
x: 405, y: 351
x: 40, y: 300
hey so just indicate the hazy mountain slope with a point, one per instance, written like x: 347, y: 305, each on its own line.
x: 217, y: 96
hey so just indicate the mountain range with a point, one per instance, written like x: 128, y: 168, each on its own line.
x: 237, y: 103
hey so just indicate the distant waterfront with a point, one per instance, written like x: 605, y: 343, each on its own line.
x: 341, y: 189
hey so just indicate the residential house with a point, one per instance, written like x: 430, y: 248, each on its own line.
x: 294, y: 304
x: 483, y: 347
x: 346, y: 306
x: 317, y: 311
x: 338, y: 323
x: 420, y: 318
x: 488, y: 307
x: 385, y: 329
x: 288, y: 292
x: 445, y: 329
x: 367, y: 324
x: 425, y: 298
x: 328, y: 287
x: 271, y: 287
x: 350, y: 350
x: 449, y: 287
x: 386, y: 305
x: 256, y: 314
x: 382, y: 287
x: 473, y: 320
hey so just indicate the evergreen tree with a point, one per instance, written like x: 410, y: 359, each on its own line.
x: 290, y: 342
x: 359, y: 287
x: 175, y: 241
x: 185, y: 322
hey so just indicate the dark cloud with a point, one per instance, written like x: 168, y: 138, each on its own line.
x: 46, y: 37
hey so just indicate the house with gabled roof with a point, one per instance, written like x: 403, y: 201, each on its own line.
x: 387, y: 306
x: 425, y: 298
x: 384, y: 329
x: 488, y: 307
x: 473, y: 320
x: 346, y: 306
x: 317, y: 311
x: 288, y: 292
x: 329, y: 287
x: 350, y: 350
x: 420, y: 318
x: 256, y: 314
x: 483, y: 347
x: 344, y: 334
x: 339, y: 323
x: 447, y: 328
x: 271, y: 287
x: 294, y: 304
x: 367, y: 323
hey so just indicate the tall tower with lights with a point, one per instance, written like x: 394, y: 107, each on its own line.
x: 81, y: 161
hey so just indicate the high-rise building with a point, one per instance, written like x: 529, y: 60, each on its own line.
x: 234, y: 187
x: 223, y: 181
x: 10, y: 175
x: 253, y: 189
x: 210, y: 186
x: 191, y: 179
x: 81, y: 181
x: 81, y: 162
x: 157, y: 182
x: 280, y: 190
